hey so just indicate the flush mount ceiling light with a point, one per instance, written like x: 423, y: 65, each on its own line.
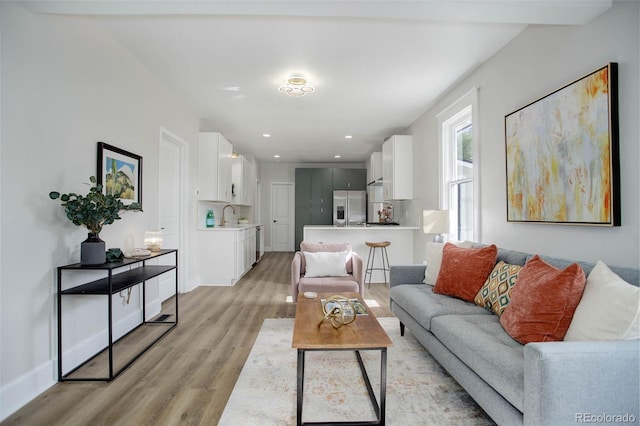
x: 296, y: 86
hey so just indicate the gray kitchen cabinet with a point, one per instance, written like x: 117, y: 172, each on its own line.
x: 313, y: 199
x: 351, y: 179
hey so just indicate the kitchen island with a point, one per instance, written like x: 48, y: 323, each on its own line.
x: 400, y: 251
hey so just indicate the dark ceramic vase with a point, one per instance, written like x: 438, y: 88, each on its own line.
x: 93, y: 250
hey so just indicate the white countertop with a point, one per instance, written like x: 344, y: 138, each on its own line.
x: 232, y: 227
x: 363, y: 228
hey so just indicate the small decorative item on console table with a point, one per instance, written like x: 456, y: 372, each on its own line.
x: 92, y: 211
x: 108, y: 286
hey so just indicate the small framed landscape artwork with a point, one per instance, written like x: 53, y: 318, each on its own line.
x: 562, y: 155
x: 120, y: 173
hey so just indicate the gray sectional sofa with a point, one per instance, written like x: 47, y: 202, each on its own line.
x: 550, y: 383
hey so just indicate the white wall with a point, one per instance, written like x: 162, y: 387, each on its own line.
x: 66, y: 84
x: 537, y: 62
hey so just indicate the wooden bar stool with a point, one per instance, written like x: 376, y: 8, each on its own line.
x: 372, y: 257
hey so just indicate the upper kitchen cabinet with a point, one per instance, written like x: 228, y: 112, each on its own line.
x: 375, y: 168
x: 353, y: 179
x: 397, y: 168
x: 214, y: 167
x: 243, y: 181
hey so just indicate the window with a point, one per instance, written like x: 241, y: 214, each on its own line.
x: 459, y: 168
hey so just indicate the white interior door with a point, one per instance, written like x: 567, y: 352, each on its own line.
x: 281, y: 214
x: 169, y: 180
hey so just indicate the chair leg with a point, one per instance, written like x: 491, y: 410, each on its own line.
x: 387, y: 267
x: 373, y: 263
x: 368, y: 268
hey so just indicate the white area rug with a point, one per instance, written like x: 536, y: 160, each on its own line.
x: 419, y: 391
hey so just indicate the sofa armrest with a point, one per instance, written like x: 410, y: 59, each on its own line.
x: 568, y: 382
x: 406, y: 274
x: 296, y: 266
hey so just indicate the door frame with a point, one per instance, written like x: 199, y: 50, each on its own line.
x: 291, y: 214
x: 165, y: 135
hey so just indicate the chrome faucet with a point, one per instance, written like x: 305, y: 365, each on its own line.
x: 223, y: 209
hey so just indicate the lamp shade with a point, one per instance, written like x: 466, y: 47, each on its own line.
x: 435, y: 221
x: 153, y: 240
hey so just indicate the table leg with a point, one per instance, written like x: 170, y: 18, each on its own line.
x: 300, y: 386
x: 383, y: 384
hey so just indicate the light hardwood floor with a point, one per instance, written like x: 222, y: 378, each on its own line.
x: 187, y: 377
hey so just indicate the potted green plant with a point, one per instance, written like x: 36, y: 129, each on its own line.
x: 92, y: 211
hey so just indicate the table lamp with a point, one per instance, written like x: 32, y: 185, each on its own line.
x: 435, y: 222
x: 153, y: 240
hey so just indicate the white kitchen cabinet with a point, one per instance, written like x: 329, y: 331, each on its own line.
x: 397, y: 168
x: 214, y: 167
x: 245, y: 250
x: 243, y: 178
x: 375, y: 168
x: 225, y: 255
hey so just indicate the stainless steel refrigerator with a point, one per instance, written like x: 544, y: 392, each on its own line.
x: 349, y: 207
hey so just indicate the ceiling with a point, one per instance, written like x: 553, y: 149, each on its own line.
x: 376, y: 65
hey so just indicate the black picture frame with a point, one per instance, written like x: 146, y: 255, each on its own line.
x: 562, y: 155
x: 120, y: 173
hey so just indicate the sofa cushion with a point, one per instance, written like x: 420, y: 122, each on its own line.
x: 434, y: 259
x: 609, y: 308
x: 513, y: 257
x: 630, y: 275
x: 496, y: 291
x: 543, y: 301
x: 482, y: 344
x: 325, y: 263
x: 329, y: 284
x: 419, y: 301
x: 464, y: 270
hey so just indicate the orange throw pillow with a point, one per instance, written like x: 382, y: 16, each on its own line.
x: 543, y: 302
x: 464, y: 270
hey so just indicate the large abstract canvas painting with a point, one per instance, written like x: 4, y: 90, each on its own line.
x: 562, y: 155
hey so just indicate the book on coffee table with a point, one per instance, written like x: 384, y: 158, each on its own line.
x: 360, y: 307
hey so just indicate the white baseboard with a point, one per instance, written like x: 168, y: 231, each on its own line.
x: 79, y: 353
x: 20, y: 391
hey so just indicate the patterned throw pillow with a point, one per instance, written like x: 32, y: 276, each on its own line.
x: 496, y: 291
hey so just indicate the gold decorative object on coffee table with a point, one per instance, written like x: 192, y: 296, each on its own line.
x: 334, y: 310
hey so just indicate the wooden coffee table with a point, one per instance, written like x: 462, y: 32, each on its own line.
x: 365, y: 333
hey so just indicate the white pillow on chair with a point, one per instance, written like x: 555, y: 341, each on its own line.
x: 325, y: 264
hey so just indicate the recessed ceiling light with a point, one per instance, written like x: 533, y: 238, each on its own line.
x: 336, y: 156
x: 266, y: 135
x: 276, y: 156
x: 348, y: 137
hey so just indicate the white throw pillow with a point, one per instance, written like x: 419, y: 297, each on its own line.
x: 325, y: 264
x: 609, y: 308
x: 434, y: 259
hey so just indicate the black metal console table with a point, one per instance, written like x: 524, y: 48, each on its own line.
x: 108, y: 286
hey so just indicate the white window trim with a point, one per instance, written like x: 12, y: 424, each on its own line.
x: 469, y: 99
